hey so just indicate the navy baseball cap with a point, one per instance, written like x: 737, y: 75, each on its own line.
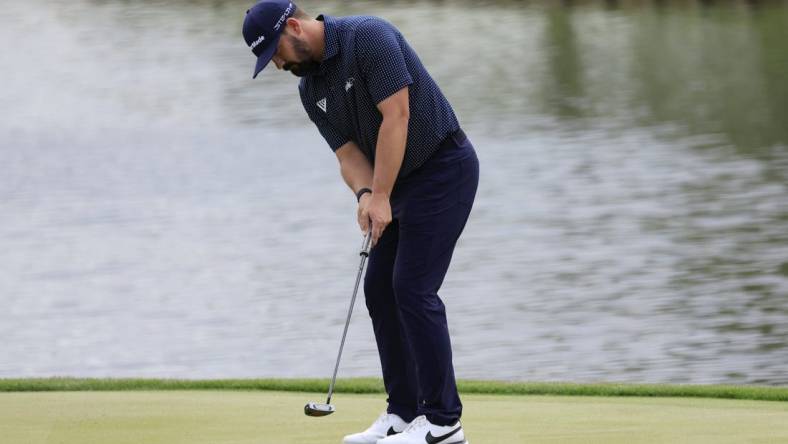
x: 263, y: 26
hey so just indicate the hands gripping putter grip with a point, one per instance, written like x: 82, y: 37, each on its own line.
x: 317, y: 409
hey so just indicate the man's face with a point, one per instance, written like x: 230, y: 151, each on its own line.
x: 294, y: 55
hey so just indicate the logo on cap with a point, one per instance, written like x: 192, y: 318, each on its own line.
x: 284, y: 16
x: 257, y: 42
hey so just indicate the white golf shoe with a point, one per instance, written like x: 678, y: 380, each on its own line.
x: 386, y: 425
x: 421, y: 431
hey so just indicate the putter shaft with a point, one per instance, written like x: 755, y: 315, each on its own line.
x: 364, y: 254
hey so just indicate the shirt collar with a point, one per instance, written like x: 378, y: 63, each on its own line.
x: 331, y: 47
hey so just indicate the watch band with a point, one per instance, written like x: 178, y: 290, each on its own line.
x: 361, y: 192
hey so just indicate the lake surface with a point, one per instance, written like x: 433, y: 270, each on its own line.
x: 163, y: 215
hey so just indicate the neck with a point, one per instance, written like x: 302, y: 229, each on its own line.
x: 316, y: 33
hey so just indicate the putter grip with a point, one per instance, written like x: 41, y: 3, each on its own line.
x: 367, y: 243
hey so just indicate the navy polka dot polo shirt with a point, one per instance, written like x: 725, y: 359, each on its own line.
x: 366, y: 60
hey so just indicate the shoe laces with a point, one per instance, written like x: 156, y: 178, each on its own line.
x: 419, y: 423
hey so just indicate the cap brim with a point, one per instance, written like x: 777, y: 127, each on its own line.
x: 266, y: 56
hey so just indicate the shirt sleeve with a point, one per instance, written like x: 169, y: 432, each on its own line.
x: 380, y: 59
x: 333, y: 136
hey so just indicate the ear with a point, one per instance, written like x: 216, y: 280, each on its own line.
x: 294, y: 24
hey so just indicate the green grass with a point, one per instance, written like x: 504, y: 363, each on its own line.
x: 373, y: 385
x: 274, y: 417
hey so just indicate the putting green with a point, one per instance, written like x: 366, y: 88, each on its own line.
x: 170, y: 417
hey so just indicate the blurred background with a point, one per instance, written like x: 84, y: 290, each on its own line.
x: 163, y: 215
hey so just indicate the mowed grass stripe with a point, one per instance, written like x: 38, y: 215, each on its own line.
x: 374, y: 385
x: 270, y: 417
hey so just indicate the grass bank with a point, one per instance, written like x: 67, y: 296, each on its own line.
x: 373, y: 385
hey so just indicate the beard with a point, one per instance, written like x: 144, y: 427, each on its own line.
x: 302, y: 69
x: 305, y: 66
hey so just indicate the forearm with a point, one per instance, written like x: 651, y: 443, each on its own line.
x: 390, y: 151
x: 355, y: 169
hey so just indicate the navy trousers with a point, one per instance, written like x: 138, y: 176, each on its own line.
x: 405, y: 271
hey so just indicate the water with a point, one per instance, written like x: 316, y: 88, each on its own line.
x: 163, y: 215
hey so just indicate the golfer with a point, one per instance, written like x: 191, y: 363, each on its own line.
x: 414, y: 172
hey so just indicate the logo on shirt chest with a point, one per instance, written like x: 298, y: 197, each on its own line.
x: 322, y: 104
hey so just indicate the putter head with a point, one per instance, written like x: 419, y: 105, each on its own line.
x: 317, y: 409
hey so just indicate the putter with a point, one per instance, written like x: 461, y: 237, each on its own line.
x: 314, y: 408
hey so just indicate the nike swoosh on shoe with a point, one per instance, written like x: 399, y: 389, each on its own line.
x: 436, y: 439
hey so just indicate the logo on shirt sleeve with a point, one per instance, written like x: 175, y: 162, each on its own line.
x: 322, y: 104
x: 349, y: 83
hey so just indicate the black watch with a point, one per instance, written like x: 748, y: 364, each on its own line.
x: 361, y: 192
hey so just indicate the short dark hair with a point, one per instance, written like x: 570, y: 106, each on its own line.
x: 300, y: 14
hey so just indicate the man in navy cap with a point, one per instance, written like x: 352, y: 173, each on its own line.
x: 414, y: 173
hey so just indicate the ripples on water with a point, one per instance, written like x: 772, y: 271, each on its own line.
x: 163, y: 215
